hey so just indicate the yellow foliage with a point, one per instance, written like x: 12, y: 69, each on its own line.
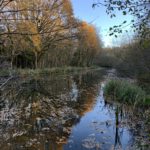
x: 67, y: 7
x: 31, y: 28
x: 36, y: 39
x: 89, y: 35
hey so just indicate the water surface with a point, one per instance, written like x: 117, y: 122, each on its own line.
x: 65, y: 112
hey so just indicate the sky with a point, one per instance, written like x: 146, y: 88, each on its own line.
x: 98, y: 17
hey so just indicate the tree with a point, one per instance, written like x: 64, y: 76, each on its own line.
x: 139, y: 9
x: 3, y: 4
x: 88, y: 44
x: 41, y: 24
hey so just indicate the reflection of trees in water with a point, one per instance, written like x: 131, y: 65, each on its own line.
x: 133, y: 119
x: 117, y: 134
x: 89, y: 87
x: 119, y: 116
x: 44, y: 110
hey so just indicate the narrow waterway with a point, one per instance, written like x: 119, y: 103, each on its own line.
x: 66, y: 112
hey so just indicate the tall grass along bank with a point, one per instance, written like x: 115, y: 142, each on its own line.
x: 126, y: 92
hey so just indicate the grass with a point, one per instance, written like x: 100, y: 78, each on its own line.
x: 144, y: 81
x: 34, y: 72
x: 126, y: 92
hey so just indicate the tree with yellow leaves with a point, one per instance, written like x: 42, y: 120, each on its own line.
x: 88, y: 45
x: 42, y: 24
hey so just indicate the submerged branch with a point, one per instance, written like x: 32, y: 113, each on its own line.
x: 3, y: 84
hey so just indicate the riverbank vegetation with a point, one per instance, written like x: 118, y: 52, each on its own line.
x: 126, y: 92
x: 130, y: 60
x: 47, y: 71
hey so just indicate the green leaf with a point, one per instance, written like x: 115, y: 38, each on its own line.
x: 110, y: 28
x: 124, y: 22
x: 132, y: 20
x: 111, y: 34
x: 124, y: 12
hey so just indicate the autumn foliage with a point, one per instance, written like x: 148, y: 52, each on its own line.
x: 39, y: 34
x: 88, y: 45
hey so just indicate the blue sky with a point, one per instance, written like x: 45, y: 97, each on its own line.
x: 98, y: 17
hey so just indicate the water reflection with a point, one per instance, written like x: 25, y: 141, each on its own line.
x: 61, y: 112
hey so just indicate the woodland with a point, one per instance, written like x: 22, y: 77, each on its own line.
x: 44, y: 34
x: 61, y: 88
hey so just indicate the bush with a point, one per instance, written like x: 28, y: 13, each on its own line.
x: 126, y: 92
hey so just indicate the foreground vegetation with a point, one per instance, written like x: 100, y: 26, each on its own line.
x: 126, y: 92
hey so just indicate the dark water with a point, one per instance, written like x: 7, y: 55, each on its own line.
x: 66, y: 112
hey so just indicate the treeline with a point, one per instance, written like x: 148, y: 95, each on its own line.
x: 130, y: 60
x: 44, y: 34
